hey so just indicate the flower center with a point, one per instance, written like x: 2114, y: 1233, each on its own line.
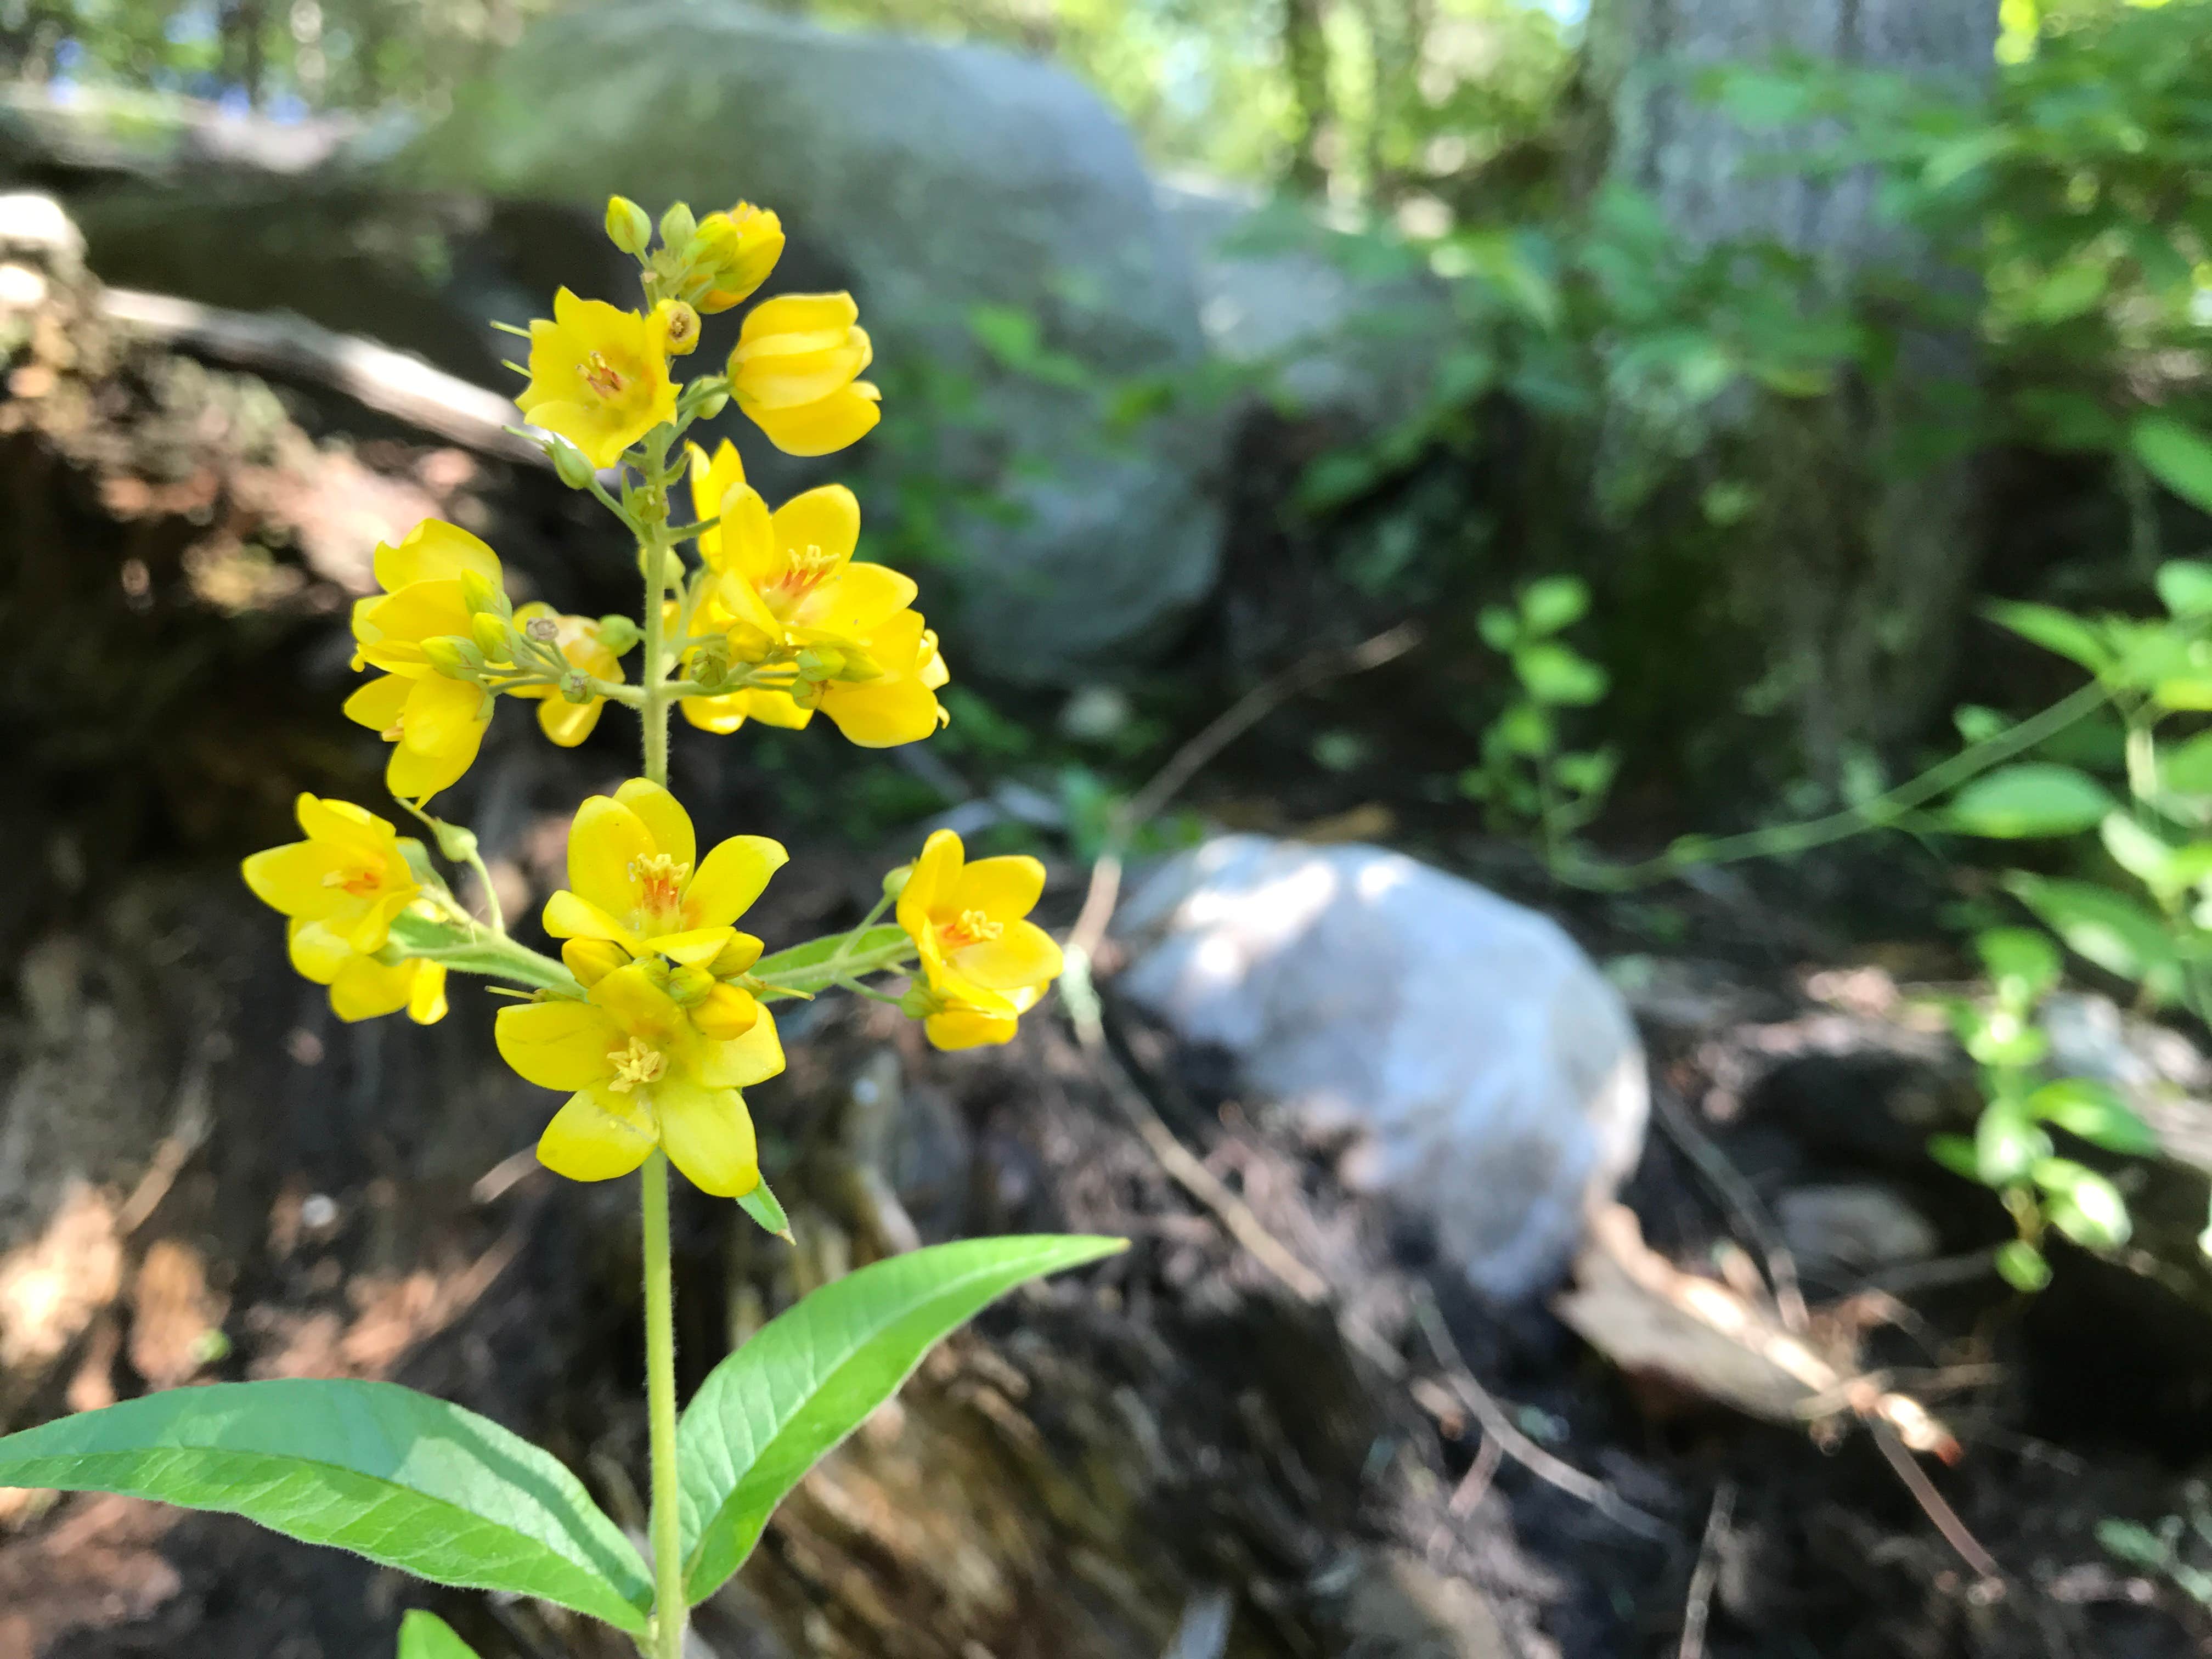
x: 971, y: 927
x: 660, y: 880
x: 636, y: 1065
x: 807, y: 571
x: 356, y: 883
x: 601, y: 375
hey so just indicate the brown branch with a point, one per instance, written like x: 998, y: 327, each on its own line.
x: 276, y: 343
x: 1932, y: 1503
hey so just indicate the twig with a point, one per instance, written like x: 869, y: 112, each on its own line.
x: 375, y: 376
x: 1240, y: 717
x: 1474, y: 1486
x: 1501, y: 1428
x: 188, y: 1132
x: 1743, y: 1203
x: 1702, y: 1581
x: 1932, y: 1502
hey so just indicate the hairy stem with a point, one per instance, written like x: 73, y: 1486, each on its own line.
x: 669, y: 1604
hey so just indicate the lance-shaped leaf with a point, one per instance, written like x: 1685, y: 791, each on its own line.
x: 426, y: 1635
x: 407, y: 1480
x: 775, y: 1408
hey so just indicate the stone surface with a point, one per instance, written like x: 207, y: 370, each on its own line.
x: 1853, y: 1226
x: 1492, y: 1073
x: 931, y: 180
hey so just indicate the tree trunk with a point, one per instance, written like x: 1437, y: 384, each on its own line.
x: 1305, y: 55
x: 1861, y: 549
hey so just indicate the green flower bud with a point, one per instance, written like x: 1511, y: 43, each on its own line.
x: 490, y: 634
x: 577, y: 686
x: 455, y: 657
x: 619, y: 633
x: 713, y: 402
x: 895, y: 881
x: 569, y: 463
x: 821, y: 662
x: 457, y: 841
x: 484, y: 596
x: 688, y: 986
x: 678, y: 226
x: 629, y: 228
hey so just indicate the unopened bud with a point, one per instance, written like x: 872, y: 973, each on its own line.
x: 482, y: 596
x: 490, y: 635
x: 679, y: 326
x: 569, y: 464
x: 455, y: 657
x: 713, y: 402
x: 895, y: 881
x: 577, y: 686
x: 629, y: 227
x: 457, y: 841
x: 678, y: 225
x: 618, y: 634
x: 733, y: 958
x: 688, y: 986
x: 821, y: 662
x: 591, y: 960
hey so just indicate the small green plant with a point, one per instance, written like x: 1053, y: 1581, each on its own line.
x: 1528, y: 775
x: 2166, y: 1552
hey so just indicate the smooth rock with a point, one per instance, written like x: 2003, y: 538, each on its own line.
x: 1853, y: 1225
x: 935, y: 182
x: 1493, y: 1075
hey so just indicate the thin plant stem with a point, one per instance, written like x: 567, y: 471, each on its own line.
x: 669, y: 1603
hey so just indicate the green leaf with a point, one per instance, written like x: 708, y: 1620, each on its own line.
x: 1499, y: 627
x: 816, y: 951
x: 1956, y: 1154
x: 2034, y: 798
x: 2184, y: 587
x: 2023, y: 964
x: 1525, y: 729
x: 2186, y: 768
x: 2178, y: 455
x: 407, y: 1480
x: 2140, y: 854
x: 2021, y: 1265
x: 1554, y: 603
x: 2108, y: 929
x: 2008, y: 1144
x: 760, y: 1204
x: 772, y: 1410
x: 2084, y: 1206
x: 426, y: 1635
x: 1554, y: 674
x: 2093, y: 1110
x: 2055, y: 630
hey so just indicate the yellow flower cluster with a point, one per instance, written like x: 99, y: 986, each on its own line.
x: 652, y: 1022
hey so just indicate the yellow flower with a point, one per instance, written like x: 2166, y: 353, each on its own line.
x: 788, y: 587
x: 362, y: 987
x: 794, y: 372
x: 598, y: 377
x: 578, y: 639
x: 742, y: 247
x: 350, y: 875
x: 635, y: 879
x: 984, y: 962
x: 641, y: 1071
x: 436, y: 724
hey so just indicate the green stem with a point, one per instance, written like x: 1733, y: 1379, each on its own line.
x: 669, y: 1603
x: 1884, y: 810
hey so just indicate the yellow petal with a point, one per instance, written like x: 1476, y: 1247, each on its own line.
x: 597, y: 1135
x: 567, y: 917
x: 433, y: 550
x: 417, y: 777
x: 636, y: 1002
x: 289, y: 878
x: 567, y: 723
x: 799, y: 313
x: 863, y: 598
x: 842, y: 418
x: 444, y: 717
x: 969, y: 1027
x: 606, y: 842
x: 317, y: 953
x: 377, y: 705
x: 366, y: 989
x: 727, y: 1013
x: 558, y: 1044
x: 709, y: 1136
x: 729, y: 879
x: 1003, y: 889
x: 695, y: 949
x: 720, y: 715
x: 792, y: 371
x: 591, y: 960
x: 882, y: 714
x: 828, y: 518
x: 741, y: 1061
x: 344, y: 825
x: 425, y: 997
x: 1023, y: 955
x: 664, y: 816
x: 734, y: 957
x: 712, y: 478
x: 776, y: 708
x: 929, y: 883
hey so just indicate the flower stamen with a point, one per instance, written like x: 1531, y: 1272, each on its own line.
x: 636, y: 1065
x: 971, y: 927
x: 601, y: 375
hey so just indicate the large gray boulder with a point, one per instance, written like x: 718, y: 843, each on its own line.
x: 1494, y: 1076
x: 931, y: 180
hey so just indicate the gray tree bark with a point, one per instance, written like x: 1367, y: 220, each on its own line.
x: 1863, y: 549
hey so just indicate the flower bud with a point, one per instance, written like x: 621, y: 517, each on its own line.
x: 482, y: 596
x: 618, y: 634
x: 678, y: 226
x: 740, y: 248
x: 688, y: 986
x: 921, y: 1002
x: 821, y: 662
x: 713, y: 402
x: 591, y: 960
x: 455, y: 657
x: 679, y: 327
x: 569, y: 464
x: 629, y: 228
x: 577, y: 686
x: 733, y: 958
x: 895, y: 880
x: 725, y: 1013
x: 490, y: 634
x: 456, y: 840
